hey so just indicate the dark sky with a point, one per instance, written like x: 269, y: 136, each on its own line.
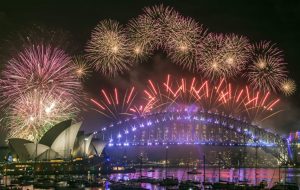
x: 274, y: 20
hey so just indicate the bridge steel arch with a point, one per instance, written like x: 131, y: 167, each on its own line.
x: 182, y: 127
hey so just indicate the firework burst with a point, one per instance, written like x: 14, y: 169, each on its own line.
x: 235, y: 54
x: 182, y: 37
x: 34, y: 113
x: 39, y: 89
x: 141, y: 32
x: 268, y: 68
x: 209, y: 56
x: 161, y: 18
x: 288, y: 87
x: 40, y: 68
x: 108, y: 48
x: 82, y: 70
x: 223, y: 56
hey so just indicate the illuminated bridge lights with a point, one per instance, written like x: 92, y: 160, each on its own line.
x: 191, y: 143
x: 178, y: 128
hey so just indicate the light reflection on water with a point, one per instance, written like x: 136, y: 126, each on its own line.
x: 271, y: 175
x: 253, y: 176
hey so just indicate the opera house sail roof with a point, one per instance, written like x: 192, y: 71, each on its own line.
x: 58, y: 142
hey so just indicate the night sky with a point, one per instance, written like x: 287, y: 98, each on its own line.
x: 272, y: 20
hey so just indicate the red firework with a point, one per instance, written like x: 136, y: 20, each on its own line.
x: 116, y: 105
x: 184, y: 95
x: 219, y: 97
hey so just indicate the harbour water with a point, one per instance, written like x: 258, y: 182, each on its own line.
x: 251, y: 176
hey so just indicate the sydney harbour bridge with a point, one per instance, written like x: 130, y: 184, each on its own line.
x: 192, y: 128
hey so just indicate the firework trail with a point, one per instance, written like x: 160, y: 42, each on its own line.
x: 219, y: 97
x: 246, y: 103
x: 115, y: 105
x: 195, y: 95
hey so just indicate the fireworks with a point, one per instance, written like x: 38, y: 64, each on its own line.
x: 108, y: 48
x: 82, y: 70
x: 268, y: 68
x: 39, y: 68
x: 115, y: 105
x: 39, y: 88
x: 190, y: 95
x: 288, y: 87
x: 182, y: 37
x: 245, y: 102
x: 113, y: 49
x: 210, y: 56
x: 41, y: 85
x: 155, y: 98
x: 235, y: 54
x: 142, y: 33
x: 34, y: 113
x: 161, y: 18
x: 222, y: 56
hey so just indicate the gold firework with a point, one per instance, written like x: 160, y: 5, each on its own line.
x: 82, y: 68
x: 268, y: 69
x: 108, y: 48
x: 182, y: 37
x: 288, y: 87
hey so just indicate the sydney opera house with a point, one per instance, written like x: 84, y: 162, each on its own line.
x: 64, y: 141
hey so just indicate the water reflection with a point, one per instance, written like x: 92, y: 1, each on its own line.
x: 251, y: 175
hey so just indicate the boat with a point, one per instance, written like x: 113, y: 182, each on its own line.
x: 145, y: 179
x: 94, y: 184
x: 243, y: 181
x: 44, y: 184
x: 122, y: 169
x: 189, y: 185
x: 193, y: 172
x: 223, y: 185
x: 285, y: 186
x: 61, y: 184
x: 169, y: 181
x: 207, y: 185
x: 125, y: 186
x: 151, y: 170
